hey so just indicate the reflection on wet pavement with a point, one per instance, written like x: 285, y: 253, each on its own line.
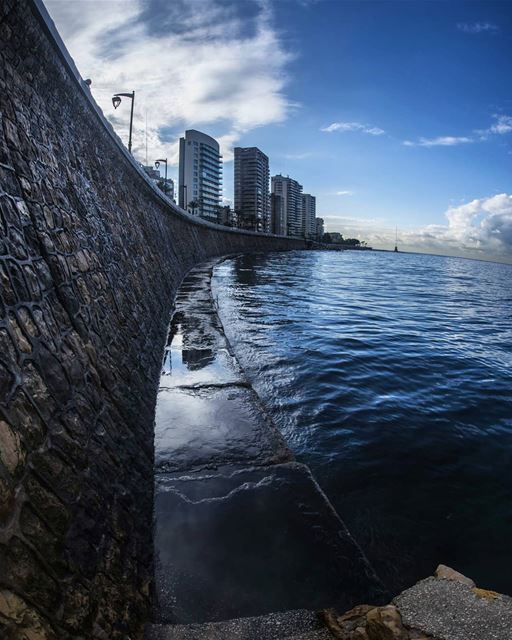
x: 240, y: 530
x: 213, y: 426
x: 184, y: 367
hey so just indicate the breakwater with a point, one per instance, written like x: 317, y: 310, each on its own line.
x: 91, y: 255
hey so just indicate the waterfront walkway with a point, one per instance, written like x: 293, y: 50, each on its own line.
x: 242, y: 529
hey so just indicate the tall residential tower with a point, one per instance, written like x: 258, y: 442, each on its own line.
x: 308, y: 215
x: 287, y: 201
x: 252, y: 200
x: 200, y: 175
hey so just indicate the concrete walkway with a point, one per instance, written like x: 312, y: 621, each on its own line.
x: 242, y: 530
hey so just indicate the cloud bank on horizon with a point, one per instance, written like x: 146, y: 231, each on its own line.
x: 477, y: 229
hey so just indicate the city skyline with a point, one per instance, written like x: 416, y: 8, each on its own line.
x: 392, y: 114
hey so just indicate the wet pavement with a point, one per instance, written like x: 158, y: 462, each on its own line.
x: 210, y: 427
x: 241, y: 529
x: 252, y: 541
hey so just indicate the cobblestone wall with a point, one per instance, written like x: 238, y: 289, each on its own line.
x: 90, y: 257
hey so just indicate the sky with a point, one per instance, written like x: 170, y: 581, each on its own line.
x: 393, y: 114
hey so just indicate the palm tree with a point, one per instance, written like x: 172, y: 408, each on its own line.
x: 193, y: 204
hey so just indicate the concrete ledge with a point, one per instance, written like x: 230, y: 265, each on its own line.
x: 451, y: 610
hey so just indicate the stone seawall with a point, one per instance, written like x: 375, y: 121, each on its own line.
x: 90, y: 259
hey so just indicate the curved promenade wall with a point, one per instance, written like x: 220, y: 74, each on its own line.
x: 91, y: 255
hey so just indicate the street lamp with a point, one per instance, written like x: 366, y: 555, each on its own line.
x: 116, y: 101
x: 157, y: 164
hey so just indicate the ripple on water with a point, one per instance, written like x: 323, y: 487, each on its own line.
x: 391, y: 376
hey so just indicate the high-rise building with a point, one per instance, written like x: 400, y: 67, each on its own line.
x: 200, y: 174
x: 291, y: 212
x: 278, y: 223
x: 319, y: 229
x: 252, y: 201
x: 308, y: 215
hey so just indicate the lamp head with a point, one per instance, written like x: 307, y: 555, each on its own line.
x: 116, y: 101
x: 157, y: 164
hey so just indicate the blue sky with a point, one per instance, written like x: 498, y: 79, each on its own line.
x: 391, y: 113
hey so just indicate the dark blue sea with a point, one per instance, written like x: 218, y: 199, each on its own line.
x: 390, y: 375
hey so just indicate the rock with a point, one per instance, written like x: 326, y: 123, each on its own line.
x: 29, y: 625
x: 385, y: 623
x: 12, y: 606
x: 357, y: 612
x: 11, y: 451
x: 354, y: 619
x: 447, y: 573
x: 6, y: 501
x: 330, y: 619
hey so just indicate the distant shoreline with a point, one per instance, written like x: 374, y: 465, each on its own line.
x: 442, y: 255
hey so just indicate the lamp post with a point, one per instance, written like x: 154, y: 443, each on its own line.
x: 116, y: 101
x: 157, y: 164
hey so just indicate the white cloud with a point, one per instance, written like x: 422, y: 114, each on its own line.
x: 298, y: 156
x: 198, y: 64
x: 440, y: 141
x: 343, y: 127
x: 480, y: 228
x: 502, y: 126
x: 477, y: 27
x: 344, y: 193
